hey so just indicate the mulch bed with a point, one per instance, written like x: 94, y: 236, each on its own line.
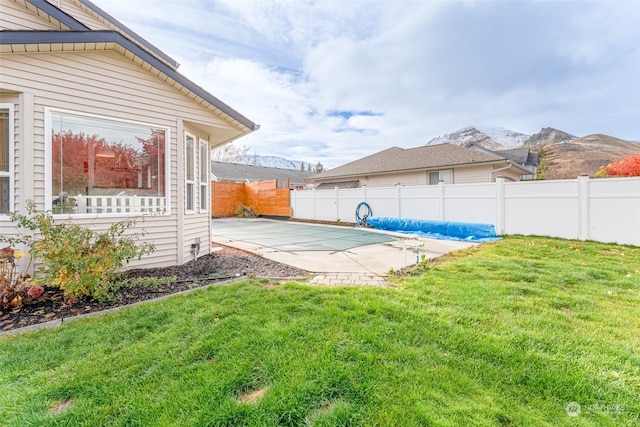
x: 225, y: 264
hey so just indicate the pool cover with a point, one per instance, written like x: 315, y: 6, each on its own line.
x: 293, y: 237
x: 442, y: 230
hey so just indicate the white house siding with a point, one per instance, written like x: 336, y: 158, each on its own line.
x: 79, y: 12
x: 107, y: 84
x: 472, y: 174
x: 389, y: 180
x: 15, y: 17
x: 467, y: 174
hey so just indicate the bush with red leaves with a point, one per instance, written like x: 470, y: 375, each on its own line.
x: 627, y: 166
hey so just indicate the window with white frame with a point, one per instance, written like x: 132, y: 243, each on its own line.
x: 446, y: 176
x: 190, y: 172
x: 6, y: 159
x: 204, y: 176
x: 101, y: 165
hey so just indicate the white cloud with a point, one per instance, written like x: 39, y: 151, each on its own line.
x: 401, y: 72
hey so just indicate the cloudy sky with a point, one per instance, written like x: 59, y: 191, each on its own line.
x: 332, y: 81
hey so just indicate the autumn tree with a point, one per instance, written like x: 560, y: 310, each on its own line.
x: 233, y: 154
x: 547, y: 158
x: 627, y: 166
x: 81, y: 162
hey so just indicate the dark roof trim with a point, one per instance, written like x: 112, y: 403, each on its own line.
x: 46, y: 37
x: 58, y: 14
x: 172, y: 62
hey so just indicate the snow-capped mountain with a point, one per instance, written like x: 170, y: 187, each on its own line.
x: 549, y: 136
x: 493, y: 138
x: 274, y: 162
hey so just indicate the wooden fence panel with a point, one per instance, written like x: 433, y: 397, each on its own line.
x: 264, y: 196
x: 225, y: 197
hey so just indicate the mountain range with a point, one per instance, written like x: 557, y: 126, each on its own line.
x: 275, y: 162
x: 566, y: 156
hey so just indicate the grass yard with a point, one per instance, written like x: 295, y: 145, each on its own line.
x: 522, y: 332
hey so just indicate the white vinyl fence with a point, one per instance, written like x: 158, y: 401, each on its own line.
x: 605, y: 210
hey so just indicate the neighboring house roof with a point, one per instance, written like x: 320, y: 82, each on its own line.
x: 521, y: 156
x: 75, y: 36
x: 397, y: 159
x: 237, y: 172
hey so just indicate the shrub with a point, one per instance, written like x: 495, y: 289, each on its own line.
x: 75, y: 258
x: 243, y: 211
x: 15, y: 288
x: 627, y: 166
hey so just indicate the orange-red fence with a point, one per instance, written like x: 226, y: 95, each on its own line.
x: 264, y: 196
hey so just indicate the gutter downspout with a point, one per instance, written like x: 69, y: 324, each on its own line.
x: 491, y: 178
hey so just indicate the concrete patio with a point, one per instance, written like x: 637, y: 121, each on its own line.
x: 338, y: 255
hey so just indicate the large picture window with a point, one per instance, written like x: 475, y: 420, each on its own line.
x: 204, y: 176
x: 6, y: 159
x: 101, y: 165
x: 190, y: 171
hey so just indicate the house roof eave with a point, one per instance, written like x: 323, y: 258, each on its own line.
x: 59, y: 15
x: 521, y: 169
x: 130, y: 33
x: 73, y: 24
x: 79, y: 39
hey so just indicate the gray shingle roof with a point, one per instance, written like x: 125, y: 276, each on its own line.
x: 521, y: 156
x: 399, y: 159
x: 237, y: 172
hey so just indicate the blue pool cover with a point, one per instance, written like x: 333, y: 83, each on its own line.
x: 441, y: 230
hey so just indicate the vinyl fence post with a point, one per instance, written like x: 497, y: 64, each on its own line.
x: 500, y: 206
x: 313, y: 200
x: 583, y: 207
x: 337, y: 202
x: 441, y: 200
x: 293, y: 201
x: 399, y: 199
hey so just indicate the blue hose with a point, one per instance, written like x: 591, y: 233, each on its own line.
x: 361, y: 220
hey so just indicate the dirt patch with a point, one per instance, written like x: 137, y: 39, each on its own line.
x: 59, y: 407
x: 225, y: 264
x: 252, y: 396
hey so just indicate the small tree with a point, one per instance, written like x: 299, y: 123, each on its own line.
x: 627, y: 166
x: 319, y: 168
x: 547, y: 158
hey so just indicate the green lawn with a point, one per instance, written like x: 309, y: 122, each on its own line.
x: 507, y: 334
